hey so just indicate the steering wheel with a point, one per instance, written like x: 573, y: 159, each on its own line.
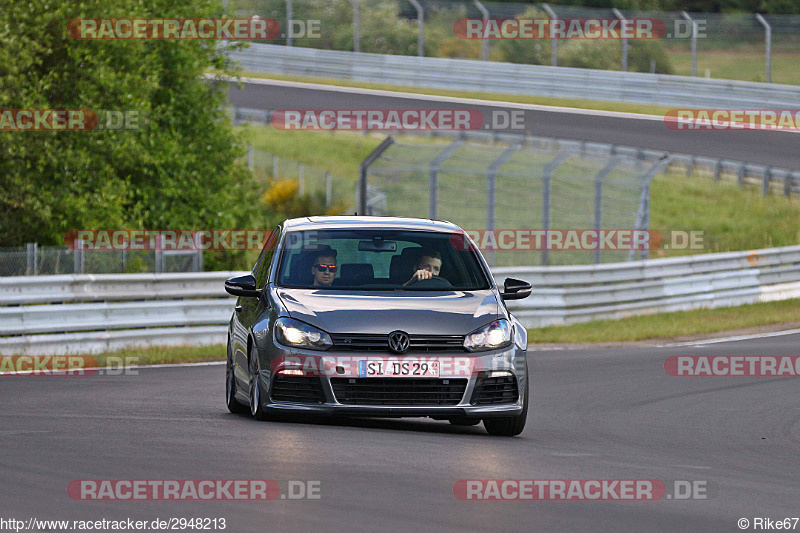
x: 435, y: 282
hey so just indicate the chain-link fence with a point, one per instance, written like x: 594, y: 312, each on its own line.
x: 502, y: 191
x: 731, y: 46
x: 33, y: 260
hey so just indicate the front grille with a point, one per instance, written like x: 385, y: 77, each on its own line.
x: 297, y: 389
x: 360, y: 342
x: 398, y: 391
x: 502, y: 389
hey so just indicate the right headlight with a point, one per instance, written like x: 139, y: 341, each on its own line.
x: 291, y: 332
x: 489, y: 337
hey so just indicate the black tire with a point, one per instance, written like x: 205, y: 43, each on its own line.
x: 464, y: 421
x: 230, y: 389
x: 510, y: 426
x: 256, y: 410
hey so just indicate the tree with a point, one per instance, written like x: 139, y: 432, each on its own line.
x: 179, y: 169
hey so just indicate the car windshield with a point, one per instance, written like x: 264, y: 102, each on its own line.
x: 376, y: 259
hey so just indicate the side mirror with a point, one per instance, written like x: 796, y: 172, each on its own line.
x: 515, y: 289
x: 242, y: 286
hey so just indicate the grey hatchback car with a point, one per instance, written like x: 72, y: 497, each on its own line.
x: 376, y: 316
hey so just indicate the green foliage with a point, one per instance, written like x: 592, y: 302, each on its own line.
x: 530, y: 52
x: 179, y: 170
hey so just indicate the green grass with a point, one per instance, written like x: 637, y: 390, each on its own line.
x: 159, y: 355
x: 730, y: 218
x: 745, y: 65
x: 672, y: 325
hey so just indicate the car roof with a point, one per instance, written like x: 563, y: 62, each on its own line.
x: 369, y: 222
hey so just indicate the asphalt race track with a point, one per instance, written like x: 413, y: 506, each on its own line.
x: 778, y: 149
x: 599, y: 413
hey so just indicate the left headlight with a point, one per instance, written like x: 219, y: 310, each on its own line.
x: 489, y: 337
x: 291, y: 332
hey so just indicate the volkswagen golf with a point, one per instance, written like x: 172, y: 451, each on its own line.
x: 377, y: 316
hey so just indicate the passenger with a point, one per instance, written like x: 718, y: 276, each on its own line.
x: 428, y: 264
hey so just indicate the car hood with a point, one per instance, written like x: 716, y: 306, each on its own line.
x: 380, y: 312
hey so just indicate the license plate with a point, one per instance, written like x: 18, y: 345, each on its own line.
x: 398, y: 369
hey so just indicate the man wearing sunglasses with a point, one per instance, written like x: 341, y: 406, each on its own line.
x: 324, y: 268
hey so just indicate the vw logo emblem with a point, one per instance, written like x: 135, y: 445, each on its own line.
x: 398, y: 341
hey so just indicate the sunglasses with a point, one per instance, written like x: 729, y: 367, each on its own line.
x: 325, y: 268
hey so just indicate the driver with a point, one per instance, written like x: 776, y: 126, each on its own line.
x: 428, y: 264
x: 323, y: 269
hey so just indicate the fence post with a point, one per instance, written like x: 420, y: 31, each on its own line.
x: 301, y: 183
x: 250, y: 157
x: 420, y: 26
x: 32, y: 267
x: 643, y: 215
x: 491, y: 190
x: 328, y: 189
x: 546, y: 175
x: 768, y: 38
x: 686, y: 16
x: 159, y: 256
x: 289, y: 25
x: 363, y: 169
x: 553, y: 41
x: 356, y: 26
x: 77, y: 256
x: 598, y: 201
x: 484, y: 42
x: 621, y: 17
x: 433, y: 200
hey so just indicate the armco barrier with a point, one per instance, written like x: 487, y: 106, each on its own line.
x: 42, y: 315
x: 510, y: 78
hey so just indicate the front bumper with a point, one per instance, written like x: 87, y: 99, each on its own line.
x: 508, y: 361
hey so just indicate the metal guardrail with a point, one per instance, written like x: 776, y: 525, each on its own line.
x: 509, y: 78
x: 88, y: 314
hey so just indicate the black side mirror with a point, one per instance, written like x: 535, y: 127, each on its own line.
x: 515, y: 289
x: 243, y: 286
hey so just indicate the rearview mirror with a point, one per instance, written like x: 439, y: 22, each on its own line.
x: 515, y: 289
x: 242, y: 286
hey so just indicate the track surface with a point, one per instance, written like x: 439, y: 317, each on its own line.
x: 779, y: 149
x: 595, y: 413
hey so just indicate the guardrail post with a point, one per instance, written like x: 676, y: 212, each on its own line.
x: 621, y: 17
x: 768, y: 38
x: 433, y: 199
x: 598, y: 201
x: 546, y: 178
x: 740, y: 175
x: 32, y: 267
x: 356, y: 26
x: 553, y: 41
x: 363, y: 169
x: 420, y: 27
x: 484, y: 42
x: 765, y: 181
x: 686, y: 16
x: 289, y: 25
x: 717, y: 169
x: 787, y: 183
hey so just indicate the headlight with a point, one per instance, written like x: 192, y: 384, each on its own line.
x: 298, y: 334
x: 489, y: 337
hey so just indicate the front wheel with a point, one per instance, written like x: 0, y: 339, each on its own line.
x: 256, y: 409
x: 510, y: 426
